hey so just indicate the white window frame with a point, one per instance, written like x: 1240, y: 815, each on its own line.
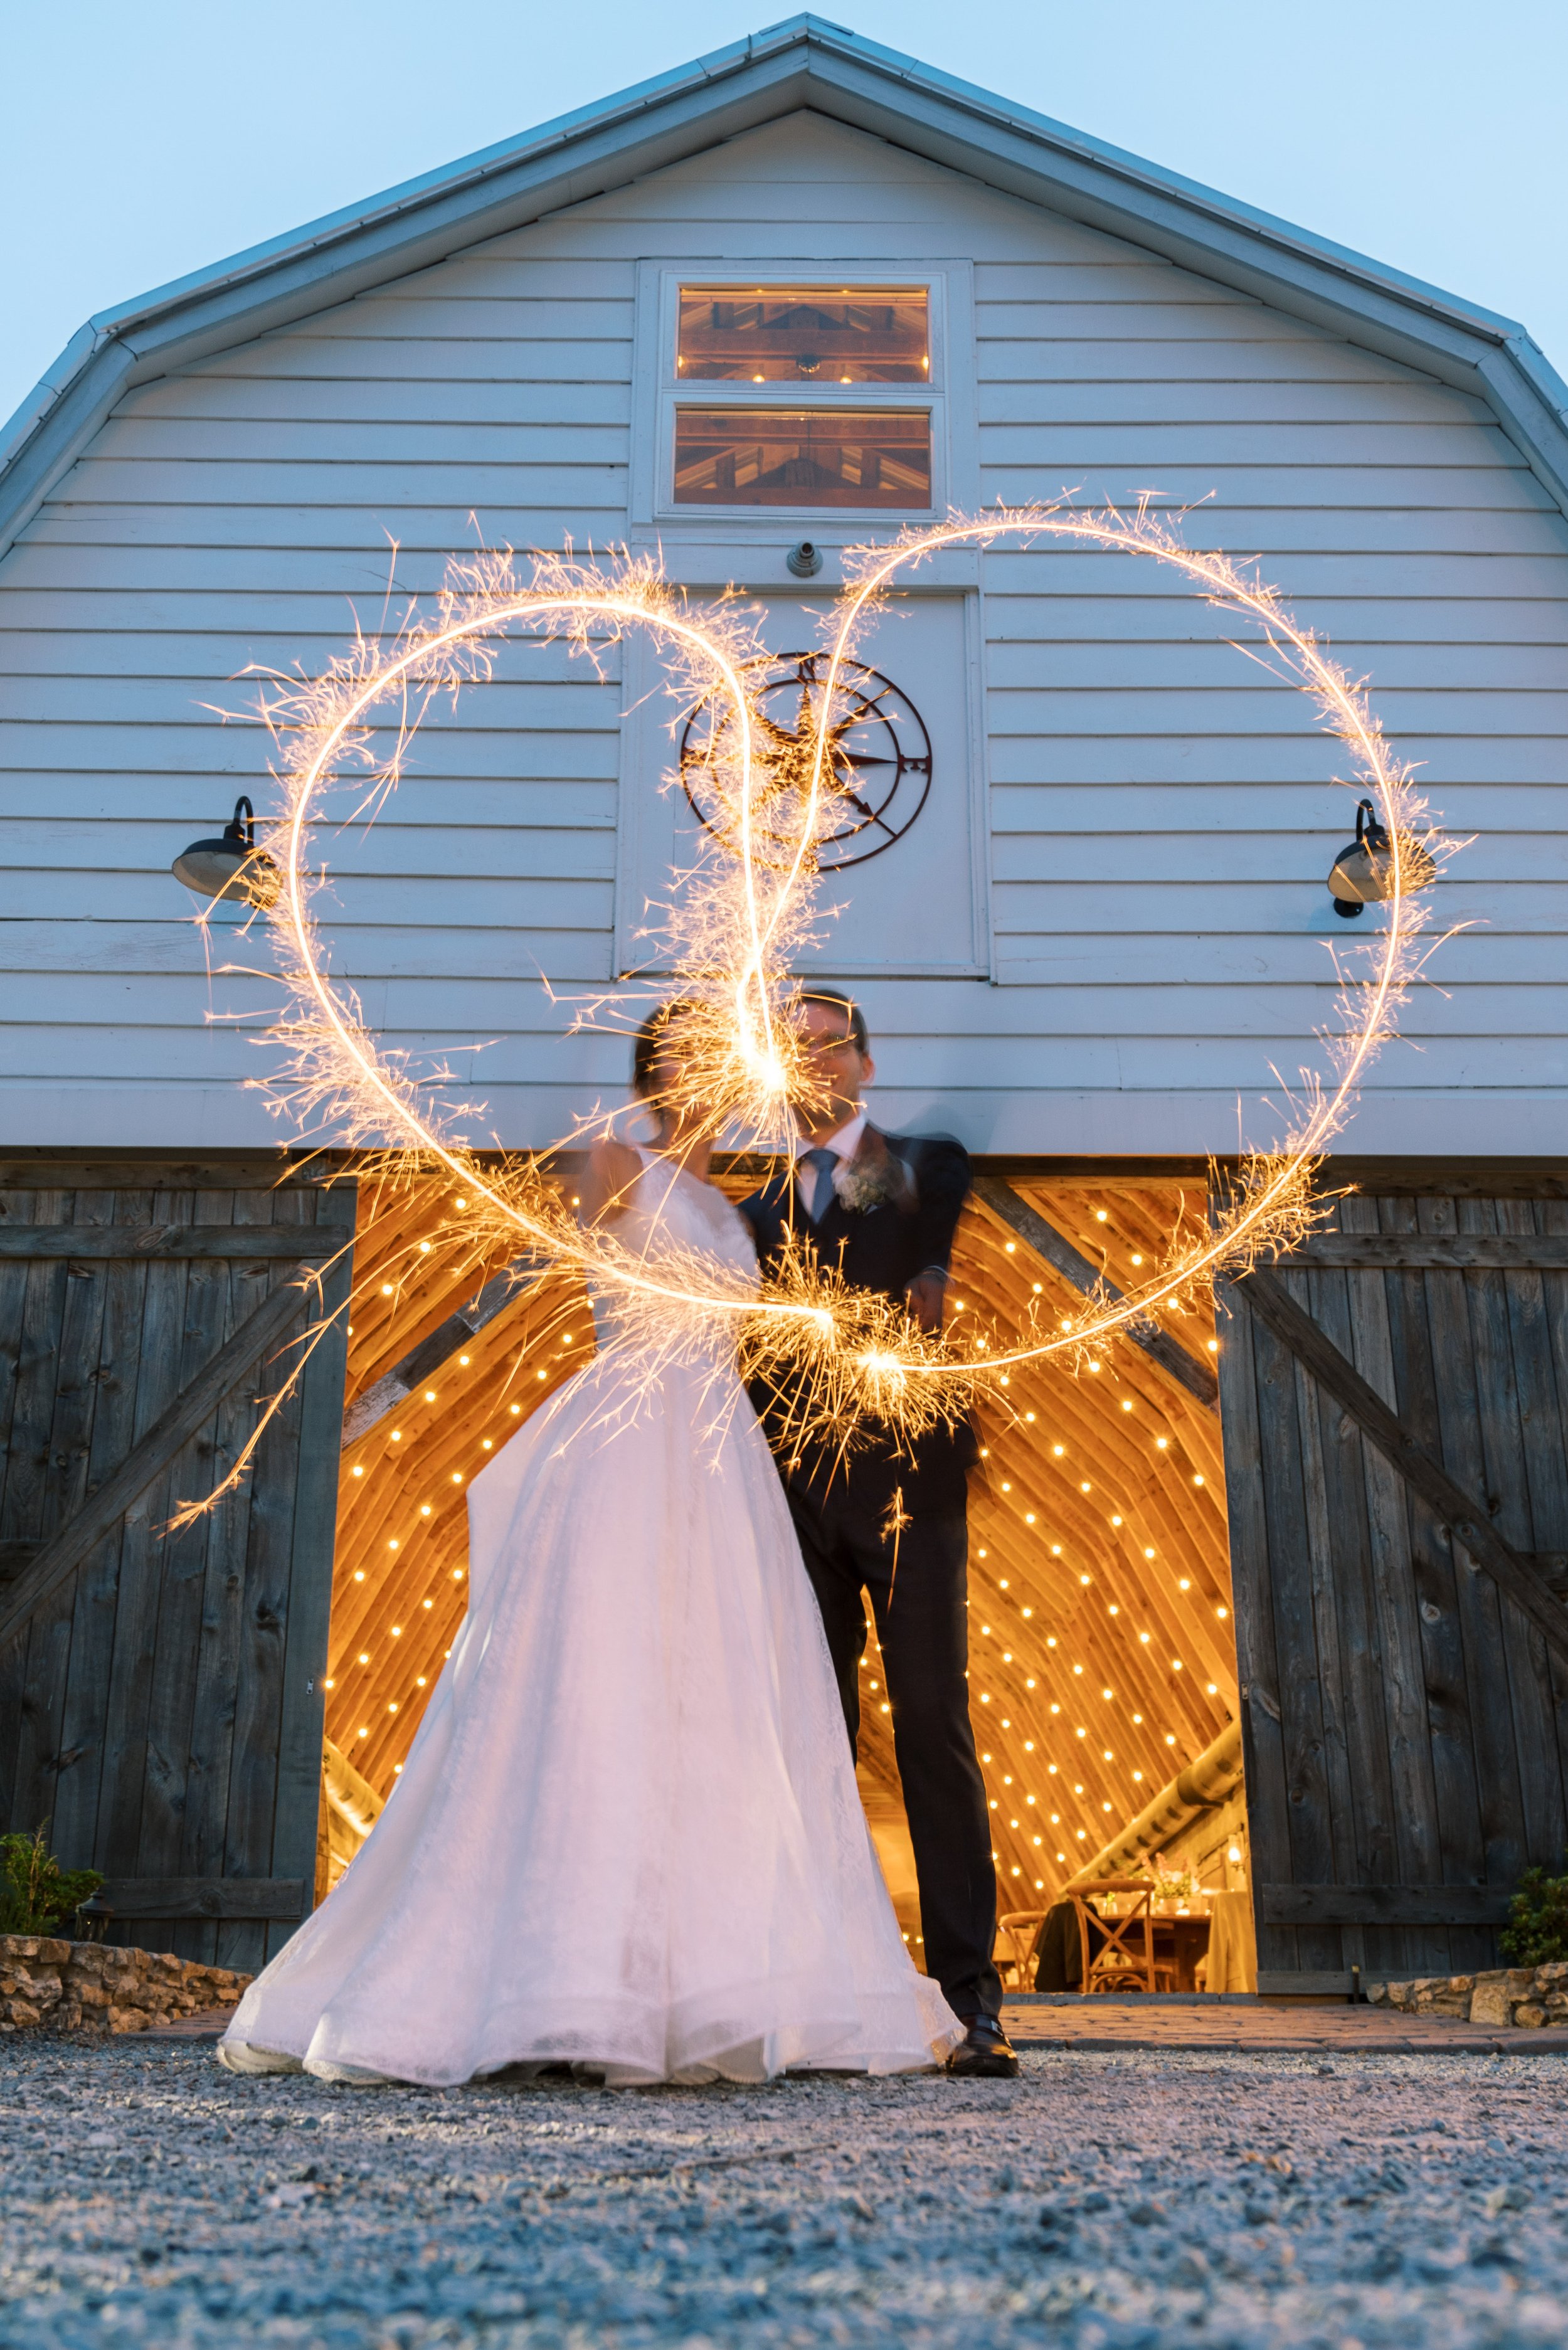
x: 948, y: 396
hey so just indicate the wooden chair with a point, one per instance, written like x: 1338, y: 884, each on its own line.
x: 1109, y: 1960
x: 1015, y: 1945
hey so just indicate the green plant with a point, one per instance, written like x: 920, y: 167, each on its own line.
x: 36, y: 1895
x: 1537, y: 1929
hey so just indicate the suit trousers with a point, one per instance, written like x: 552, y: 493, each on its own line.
x: 922, y: 1628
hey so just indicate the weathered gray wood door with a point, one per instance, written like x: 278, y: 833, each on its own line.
x: 161, y: 1696
x: 1394, y: 1400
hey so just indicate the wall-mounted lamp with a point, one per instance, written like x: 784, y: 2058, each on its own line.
x: 1362, y: 872
x: 804, y: 559
x: 230, y: 867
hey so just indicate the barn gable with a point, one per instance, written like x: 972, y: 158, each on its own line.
x: 1137, y: 934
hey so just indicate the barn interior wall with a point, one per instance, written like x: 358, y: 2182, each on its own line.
x: 1159, y: 819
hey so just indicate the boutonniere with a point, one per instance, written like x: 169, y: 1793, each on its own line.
x: 874, y: 1177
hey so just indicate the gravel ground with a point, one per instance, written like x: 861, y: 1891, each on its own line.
x: 1100, y: 2201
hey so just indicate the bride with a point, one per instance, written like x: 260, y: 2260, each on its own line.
x: 626, y: 1836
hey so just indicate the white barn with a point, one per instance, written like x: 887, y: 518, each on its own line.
x: 805, y: 291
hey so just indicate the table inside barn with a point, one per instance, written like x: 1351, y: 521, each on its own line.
x: 1179, y: 1942
x: 1181, y: 1939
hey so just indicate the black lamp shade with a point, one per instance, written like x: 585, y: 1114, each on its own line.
x: 1362, y: 872
x: 231, y: 866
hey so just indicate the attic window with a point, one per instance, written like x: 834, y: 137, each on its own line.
x: 777, y: 457
x: 803, y: 334
x: 815, y: 397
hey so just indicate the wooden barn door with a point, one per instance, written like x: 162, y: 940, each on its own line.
x: 161, y: 1700
x: 1395, y: 1403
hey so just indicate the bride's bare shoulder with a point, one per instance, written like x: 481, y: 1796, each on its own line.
x: 609, y: 1169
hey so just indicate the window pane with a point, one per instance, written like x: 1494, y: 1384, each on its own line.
x: 788, y: 334
x: 761, y: 457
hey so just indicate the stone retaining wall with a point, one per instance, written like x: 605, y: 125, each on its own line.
x: 1525, y: 1997
x: 97, y: 1985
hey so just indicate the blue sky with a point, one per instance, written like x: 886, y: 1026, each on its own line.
x: 156, y: 139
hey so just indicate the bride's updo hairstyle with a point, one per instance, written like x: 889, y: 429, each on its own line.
x: 648, y: 1044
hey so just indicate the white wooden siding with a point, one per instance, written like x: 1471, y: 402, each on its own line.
x: 1160, y: 813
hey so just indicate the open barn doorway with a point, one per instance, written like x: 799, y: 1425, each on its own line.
x: 1103, y: 1660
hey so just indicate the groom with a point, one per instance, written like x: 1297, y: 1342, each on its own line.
x: 882, y: 1209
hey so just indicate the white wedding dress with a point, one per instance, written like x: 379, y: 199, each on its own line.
x: 628, y: 1835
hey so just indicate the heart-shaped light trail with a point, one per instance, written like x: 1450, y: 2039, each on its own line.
x: 736, y: 924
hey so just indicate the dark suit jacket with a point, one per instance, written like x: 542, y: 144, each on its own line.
x: 882, y: 1247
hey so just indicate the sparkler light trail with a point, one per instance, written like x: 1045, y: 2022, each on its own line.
x: 735, y: 927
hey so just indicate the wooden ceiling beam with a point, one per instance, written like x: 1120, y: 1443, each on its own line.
x: 508, y: 1288
x: 1055, y: 1249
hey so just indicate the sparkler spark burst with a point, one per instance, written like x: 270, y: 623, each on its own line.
x: 735, y: 925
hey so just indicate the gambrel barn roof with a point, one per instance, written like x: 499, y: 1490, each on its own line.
x: 804, y: 62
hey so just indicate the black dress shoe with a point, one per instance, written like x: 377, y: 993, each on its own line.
x: 984, y: 2053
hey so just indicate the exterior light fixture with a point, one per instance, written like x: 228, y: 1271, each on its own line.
x: 804, y: 559
x: 1362, y: 872
x: 231, y: 868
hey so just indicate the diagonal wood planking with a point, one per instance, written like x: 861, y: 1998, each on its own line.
x: 1404, y: 1723
x: 1087, y: 1275
x: 144, y: 1707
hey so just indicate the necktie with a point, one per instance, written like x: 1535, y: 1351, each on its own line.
x: 817, y: 1189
